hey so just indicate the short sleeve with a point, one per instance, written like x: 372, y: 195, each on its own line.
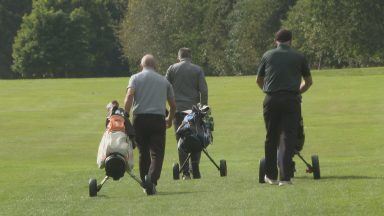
x: 261, y: 69
x: 168, y: 75
x: 305, y: 70
x: 132, y: 82
x: 170, y: 93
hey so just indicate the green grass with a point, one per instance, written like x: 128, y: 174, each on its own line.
x: 50, y: 131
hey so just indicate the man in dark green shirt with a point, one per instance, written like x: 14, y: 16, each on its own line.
x: 280, y: 76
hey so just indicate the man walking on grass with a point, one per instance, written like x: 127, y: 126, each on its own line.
x: 190, y: 88
x: 280, y: 76
x: 147, y: 94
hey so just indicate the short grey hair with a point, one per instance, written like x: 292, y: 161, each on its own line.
x: 184, y: 53
x: 148, y: 61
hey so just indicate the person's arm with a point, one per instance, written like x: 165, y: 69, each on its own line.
x: 168, y: 75
x: 307, y: 78
x: 261, y: 73
x: 129, y: 100
x: 260, y: 82
x: 171, y: 114
x: 306, y: 84
x: 172, y: 106
x: 203, y: 89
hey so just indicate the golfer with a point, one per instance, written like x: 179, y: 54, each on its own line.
x: 280, y: 76
x: 147, y: 94
x: 190, y: 88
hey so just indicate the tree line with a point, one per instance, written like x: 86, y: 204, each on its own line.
x: 91, y: 38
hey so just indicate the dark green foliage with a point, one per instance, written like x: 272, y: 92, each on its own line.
x: 217, y: 27
x: 344, y: 33
x: 252, y: 32
x: 11, y: 13
x: 163, y: 28
x: 68, y: 39
x: 77, y: 38
x: 227, y: 37
x: 117, y: 9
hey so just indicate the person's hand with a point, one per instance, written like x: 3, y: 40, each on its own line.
x: 168, y: 122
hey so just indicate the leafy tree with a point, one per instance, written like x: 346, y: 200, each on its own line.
x: 225, y: 36
x: 252, y: 31
x: 339, y: 33
x: 216, y: 36
x: 52, y: 42
x: 163, y: 28
x: 11, y: 13
x: 117, y: 9
x: 68, y: 38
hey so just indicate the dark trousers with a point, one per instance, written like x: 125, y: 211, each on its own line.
x: 282, y: 112
x: 193, y: 164
x: 150, y: 138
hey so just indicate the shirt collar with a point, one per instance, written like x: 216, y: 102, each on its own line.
x: 185, y: 59
x: 284, y: 46
x: 148, y: 69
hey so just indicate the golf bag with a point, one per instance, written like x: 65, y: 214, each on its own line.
x: 196, y: 130
x: 115, y: 152
x: 115, y: 141
x: 195, y: 135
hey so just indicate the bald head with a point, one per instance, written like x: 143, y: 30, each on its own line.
x: 148, y: 61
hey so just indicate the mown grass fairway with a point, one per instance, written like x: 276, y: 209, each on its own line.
x: 50, y: 131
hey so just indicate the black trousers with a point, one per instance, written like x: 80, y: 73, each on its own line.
x: 150, y: 139
x: 282, y: 111
x: 193, y: 164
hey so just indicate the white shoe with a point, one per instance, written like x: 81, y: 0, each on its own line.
x: 270, y: 181
x: 282, y: 183
x: 154, y: 191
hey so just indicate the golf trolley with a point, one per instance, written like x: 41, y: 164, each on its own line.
x: 313, y: 168
x: 195, y: 135
x: 222, y: 167
x: 115, y: 167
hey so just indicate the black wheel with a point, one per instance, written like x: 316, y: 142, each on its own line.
x: 92, y: 187
x: 148, y: 185
x: 223, y: 168
x: 176, y: 173
x: 261, y: 170
x: 316, y: 167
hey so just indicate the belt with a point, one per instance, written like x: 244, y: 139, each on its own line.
x: 283, y: 92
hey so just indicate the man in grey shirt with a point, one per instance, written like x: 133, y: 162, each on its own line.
x: 190, y: 88
x: 147, y: 94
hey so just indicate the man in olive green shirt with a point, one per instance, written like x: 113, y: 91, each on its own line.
x: 280, y: 76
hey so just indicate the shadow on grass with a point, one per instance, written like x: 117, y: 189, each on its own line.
x: 165, y: 193
x: 100, y: 196
x: 351, y: 177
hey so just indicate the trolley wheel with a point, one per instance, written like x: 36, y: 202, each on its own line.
x: 148, y: 185
x: 223, y: 168
x: 176, y: 173
x: 92, y: 187
x: 315, y: 166
x: 261, y: 170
